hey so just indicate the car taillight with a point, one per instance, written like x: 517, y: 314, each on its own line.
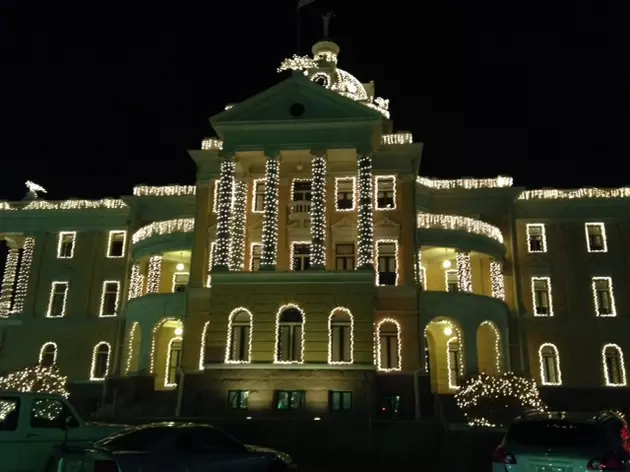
x: 105, y: 466
x: 503, y: 456
x: 606, y: 463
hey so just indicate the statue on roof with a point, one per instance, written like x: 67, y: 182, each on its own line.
x: 326, y: 20
x: 33, y: 189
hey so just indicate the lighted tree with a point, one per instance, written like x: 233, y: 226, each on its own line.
x: 36, y: 378
x: 495, y: 401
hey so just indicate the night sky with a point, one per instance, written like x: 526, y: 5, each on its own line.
x: 97, y: 100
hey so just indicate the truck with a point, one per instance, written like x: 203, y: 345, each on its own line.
x: 34, y: 424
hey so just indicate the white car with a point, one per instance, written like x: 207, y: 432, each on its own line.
x: 564, y: 442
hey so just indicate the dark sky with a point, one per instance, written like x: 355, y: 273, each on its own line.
x: 99, y: 99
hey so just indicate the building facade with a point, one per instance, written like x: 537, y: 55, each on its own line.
x: 310, y: 268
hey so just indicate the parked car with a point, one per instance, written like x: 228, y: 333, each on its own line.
x: 32, y: 424
x: 564, y: 442
x: 173, y: 447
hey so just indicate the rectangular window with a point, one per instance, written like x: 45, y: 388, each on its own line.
x: 300, y: 256
x: 345, y: 189
x: 290, y: 400
x: 116, y: 244
x: 180, y: 281
x: 452, y: 280
x: 255, y: 257
x: 65, y: 245
x: 258, y: 196
x: 596, y: 237
x: 340, y: 401
x: 238, y: 399
x: 541, y: 295
x: 58, y: 298
x: 385, y: 192
x: 453, y: 364
x: 536, y: 238
x: 344, y: 257
x: 301, y: 196
x: 387, y: 257
x: 603, y: 296
x: 110, y: 297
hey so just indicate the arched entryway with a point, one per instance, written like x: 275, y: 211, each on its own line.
x: 166, y: 351
x: 444, y: 354
x: 132, y: 357
x: 489, y: 348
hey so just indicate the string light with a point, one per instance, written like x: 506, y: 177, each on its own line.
x: 211, y: 248
x: 169, y: 354
x: 529, y: 228
x: 459, y: 223
x: 37, y: 378
x: 353, y: 183
x: 202, y: 350
x: 154, y: 274
x: 8, y: 280
x: 49, y: 348
x: 466, y: 183
x: 226, y: 182
x: 365, y: 251
x: 340, y: 310
x: 602, y: 234
x: 458, y: 334
x: 105, y: 203
x: 136, y: 282
x: 609, y: 286
x: 154, y: 333
x: 104, y: 293
x: 96, y: 352
x: 130, y: 345
x: 158, y: 228
x: 53, y: 293
x: 238, y: 227
x: 318, y: 213
x: 547, y: 282
x: 276, y: 357
x: 618, y: 355
x: 24, y: 275
x: 496, y: 280
x: 211, y: 144
x: 497, y: 344
x: 256, y: 183
x: 397, y: 138
x: 377, y: 188
x: 556, y: 362
x: 215, y: 195
x: 377, y: 256
x: 63, y: 238
x: 556, y: 194
x: 270, y: 223
x: 5, y: 206
x: 379, y: 354
x: 164, y: 190
x: 464, y: 272
x: 113, y: 236
x: 228, y: 345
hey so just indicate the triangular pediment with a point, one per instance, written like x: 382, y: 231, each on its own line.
x: 343, y: 223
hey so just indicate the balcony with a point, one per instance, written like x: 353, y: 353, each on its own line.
x: 299, y: 210
x: 150, y: 309
x: 161, y: 236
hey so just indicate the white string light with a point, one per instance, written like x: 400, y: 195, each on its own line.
x: 497, y: 344
x: 556, y: 194
x: 543, y: 234
x: 96, y: 352
x: 255, y: 184
x: 8, y: 280
x: 318, y: 213
x: 24, y: 275
x: 365, y: 251
x: 136, y: 282
x: 158, y: 228
x: 226, y: 185
x: 340, y: 310
x: 53, y: 292
x: 602, y: 229
x: 452, y: 383
x: 496, y: 279
x: 71, y: 235
x: 276, y: 357
x: 169, y: 354
x: 154, y: 334
x: 104, y: 292
x: 464, y: 272
x: 556, y: 361
x: 618, y: 355
x: 379, y: 354
x: 106, y: 203
x: 611, y: 296
x: 211, y: 144
x: 202, y: 349
x: 377, y: 256
x: 45, y: 351
x: 466, y: 183
x: 270, y: 223
x: 154, y: 274
x: 459, y: 223
x: 547, y: 281
x: 238, y: 227
x: 112, y: 237
x: 164, y: 190
x: 229, y: 341
x: 131, y: 345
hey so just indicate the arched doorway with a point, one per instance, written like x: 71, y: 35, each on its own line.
x: 166, y: 349
x: 444, y: 354
x: 489, y: 348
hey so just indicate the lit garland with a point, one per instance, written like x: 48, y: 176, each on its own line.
x: 611, y: 295
x: 102, y: 313
x: 602, y: 228
x: 460, y: 340
x: 211, y: 247
x: 36, y: 378
x: 452, y: 383
x: 496, y: 279
x: 169, y: 353
x: 61, y: 241
x: 379, y: 354
x: 255, y: 184
x: 202, y: 349
x: 228, y: 345
x: 331, y: 322
x: 497, y: 344
x: 48, y: 349
x: 464, y: 272
x: 318, y: 213
x: 365, y: 250
x: 106, y: 203
x: 292, y: 250
x: 556, y: 362
x: 459, y: 223
x: 270, y: 223
x: 543, y: 235
x: 496, y: 400
x: 622, y: 366
x: 110, y: 240
x: 397, y: 138
x: 226, y: 182
x: 53, y: 292
x: 376, y: 259
x: 276, y: 356
x: 154, y: 334
x: 136, y: 282
x: 8, y: 280
x: 556, y: 194
x: 384, y: 178
x: 238, y: 227
x: 466, y: 184
x: 353, y: 181
x: 547, y: 281
x: 101, y: 349
x: 5, y: 206
x: 24, y: 274
x: 164, y: 190
x: 131, y: 345
x: 154, y: 274
x: 211, y: 144
x: 157, y: 228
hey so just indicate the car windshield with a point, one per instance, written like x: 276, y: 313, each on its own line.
x: 556, y: 434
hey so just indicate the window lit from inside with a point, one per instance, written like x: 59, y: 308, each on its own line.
x: 452, y: 280
x: 180, y: 281
x: 340, y: 401
x: 603, y: 297
x: 238, y: 399
x: 542, y: 298
x: 301, y: 197
x: 256, y: 257
x: 385, y: 194
x: 536, y: 235
x: 240, y: 336
x: 344, y: 257
x: 289, y: 400
x: 387, y: 264
x: 340, y: 337
x: 388, y: 340
x: 345, y: 194
x: 301, y: 257
x: 596, y: 237
x: 290, y: 332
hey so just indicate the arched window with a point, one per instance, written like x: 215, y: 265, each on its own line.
x: 614, y: 366
x: 454, y: 362
x: 388, y: 347
x: 48, y: 354
x: 173, y: 361
x: 290, y: 336
x: 340, y: 337
x: 100, y: 361
x: 239, y: 337
x: 549, y: 360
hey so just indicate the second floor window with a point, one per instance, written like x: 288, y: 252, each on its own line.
x: 258, y: 199
x: 452, y: 280
x: 116, y: 244
x: 596, y: 237
x: 541, y: 294
x: 65, y: 246
x: 344, y: 257
x: 300, y: 256
x: 180, y: 281
x: 345, y: 187
x: 255, y: 257
x: 385, y: 190
x: 536, y: 238
x: 387, y: 263
x: 58, y: 299
x: 110, y: 298
x: 603, y: 296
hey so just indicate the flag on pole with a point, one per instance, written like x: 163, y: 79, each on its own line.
x: 303, y: 3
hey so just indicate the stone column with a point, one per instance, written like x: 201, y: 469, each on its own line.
x: 270, y: 222
x: 464, y: 272
x: 221, y: 258
x: 8, y: 280
x: 154, y: 274
x: 238, y: 220
x: 318, y: 210
x: 24, y: 275
x: 365, y: 219
x: 198, y: 259
x: 496, y: 279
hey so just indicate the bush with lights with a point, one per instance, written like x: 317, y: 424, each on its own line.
x: 495, y: 401
x: 36, y: 379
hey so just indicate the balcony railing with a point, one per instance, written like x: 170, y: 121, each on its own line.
x: 459, y: 223
x: 300, y: 208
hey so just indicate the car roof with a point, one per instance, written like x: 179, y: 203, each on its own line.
x: 13, y: 393
x: 570, y: 416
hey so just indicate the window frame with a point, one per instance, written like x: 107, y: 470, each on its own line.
x: 110, y: 240
x: 105, y: 293
x: 60, y: 244
x: 53, y: 294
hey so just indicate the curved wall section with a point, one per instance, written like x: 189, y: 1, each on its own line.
x: 150, y: 309
x: 163, y: 243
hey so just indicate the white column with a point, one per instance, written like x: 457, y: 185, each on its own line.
x: 24, y: 275
x: 464, y: 272
x: 365, y: 226
x: 270, y: 222
x: 154, y: 274
x: 318, y: 211
x: 237, y: 226
x: 8, y: 280
x: 226, y: 181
